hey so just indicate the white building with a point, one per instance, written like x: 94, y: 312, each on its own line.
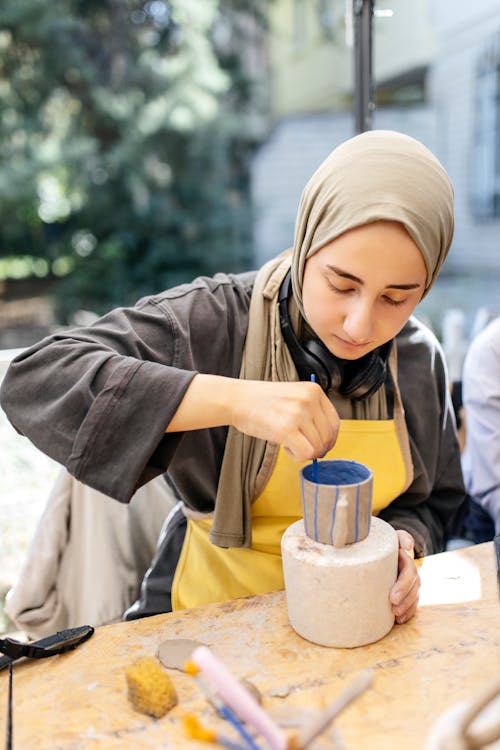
x: 437, y: 74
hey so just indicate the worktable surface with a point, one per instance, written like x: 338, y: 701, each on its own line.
x: 78, y: 700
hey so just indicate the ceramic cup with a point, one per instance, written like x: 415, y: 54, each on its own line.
x: 336, y: 501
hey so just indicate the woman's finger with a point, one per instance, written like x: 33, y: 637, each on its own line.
x: 405, y: 592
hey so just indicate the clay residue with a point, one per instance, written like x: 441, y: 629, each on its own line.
x: 175, y: 652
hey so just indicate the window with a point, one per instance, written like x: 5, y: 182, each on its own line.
x: 326, y: 17
x: 485, y: 200
x: 299, y: 21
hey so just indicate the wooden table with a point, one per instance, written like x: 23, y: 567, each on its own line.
x: 451, y: 649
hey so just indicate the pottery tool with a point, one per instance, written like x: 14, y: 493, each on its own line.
x: 249, y: 710
x: 318, y: 725
x: 315, y: 460
x: 237, y: 698
x: 191, y: 668
x: 197, y: 731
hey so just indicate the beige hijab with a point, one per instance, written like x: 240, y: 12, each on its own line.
x: 373, y: 176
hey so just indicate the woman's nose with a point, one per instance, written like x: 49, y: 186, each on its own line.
x: 358, y: 322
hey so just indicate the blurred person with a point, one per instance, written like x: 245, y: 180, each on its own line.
x: 211, y: 382
x: 481, y: 456
x: 454, y: 342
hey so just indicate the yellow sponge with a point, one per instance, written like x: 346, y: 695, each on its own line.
x: 150, y: 689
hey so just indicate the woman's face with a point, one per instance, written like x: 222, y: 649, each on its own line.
x: 361, y: 288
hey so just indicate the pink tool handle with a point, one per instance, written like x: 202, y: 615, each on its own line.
x: 243, y: 704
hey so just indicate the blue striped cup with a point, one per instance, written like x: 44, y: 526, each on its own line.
x: 337, y: 501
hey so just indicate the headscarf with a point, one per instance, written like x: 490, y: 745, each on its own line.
x: 378, y: 175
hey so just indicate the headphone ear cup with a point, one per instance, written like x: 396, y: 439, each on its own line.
x: 366, y: 380
x: 307, y: 363
x: 326, y: 361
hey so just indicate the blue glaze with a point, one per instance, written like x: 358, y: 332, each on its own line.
x: 336, y: 472
x: 307, y: 530
x: 332, y: 527
x: 332, y: 476
x: 315, y: 460
x: 316, y: 491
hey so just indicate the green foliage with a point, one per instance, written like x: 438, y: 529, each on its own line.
x: 123, y: 160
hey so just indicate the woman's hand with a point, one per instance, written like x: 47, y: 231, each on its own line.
x: 404, y: 593
x: 298, y: 416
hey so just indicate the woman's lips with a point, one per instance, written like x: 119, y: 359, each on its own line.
x: 351, y: 344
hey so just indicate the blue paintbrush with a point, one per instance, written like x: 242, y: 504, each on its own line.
x: 315, y: 460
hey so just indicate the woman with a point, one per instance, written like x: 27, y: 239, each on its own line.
x: 212, y: 382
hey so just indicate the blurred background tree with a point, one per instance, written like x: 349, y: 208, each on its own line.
x: 124, y: 157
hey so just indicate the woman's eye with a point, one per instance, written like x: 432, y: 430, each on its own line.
x: 394, y: 302
x: 340, y: 290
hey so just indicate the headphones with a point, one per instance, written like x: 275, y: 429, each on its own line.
x: 356, y: 379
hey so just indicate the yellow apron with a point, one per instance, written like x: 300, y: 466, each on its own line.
x: 207, y: 573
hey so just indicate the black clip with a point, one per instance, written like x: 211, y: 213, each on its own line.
x: 64, y: 640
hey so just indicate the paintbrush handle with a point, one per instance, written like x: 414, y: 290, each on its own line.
x: 315, y: 460
x: 234, y: 694
x: 318, y: 725
x: 226, y: 712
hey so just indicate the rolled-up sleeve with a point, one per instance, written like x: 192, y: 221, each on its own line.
x: 98, y: 400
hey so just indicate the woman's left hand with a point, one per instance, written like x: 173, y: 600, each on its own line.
x: 404, y: 593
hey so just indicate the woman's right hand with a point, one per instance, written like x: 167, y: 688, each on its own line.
x: 298, y: 416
